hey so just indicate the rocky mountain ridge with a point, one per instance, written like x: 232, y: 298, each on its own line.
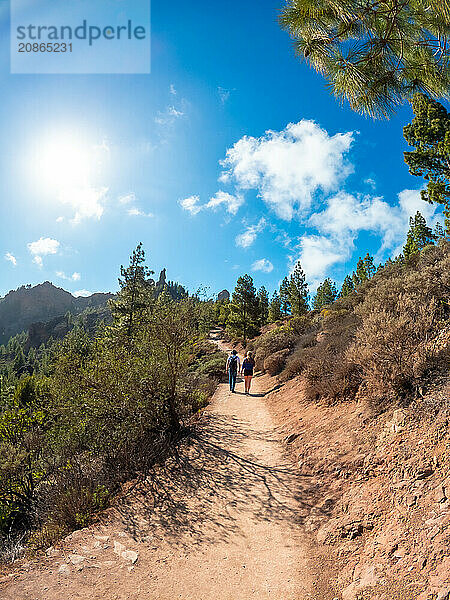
x: 27, y: 305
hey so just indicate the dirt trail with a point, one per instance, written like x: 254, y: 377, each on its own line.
x: 222, y: 522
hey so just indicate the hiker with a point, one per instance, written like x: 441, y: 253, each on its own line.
x: 247, y: 368
x: 233, y: 366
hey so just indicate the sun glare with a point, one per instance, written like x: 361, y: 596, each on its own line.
x: 64, y: 163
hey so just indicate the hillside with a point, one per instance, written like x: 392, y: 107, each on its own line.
x: 27, y: 305
x: 331, y: 480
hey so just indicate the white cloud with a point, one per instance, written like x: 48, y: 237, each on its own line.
x: 11, y: 258
x: 136, y: 212
x: 247, y: 238
x: 87, y: 203
x: 169, y: 116
x: 230, y: 202
x: 288, y: 167
x: 191, y: 204
x: 371, y: 182
x: 345, y: 216
x: 317, y: 255
x: 173, y: 90
x: 44, y: 246
x: 83, y: 293
x: 127, y: 198
x: 74, y: 277
x: 263, y: 265
x: 410, y: 202
x: 224, y: 94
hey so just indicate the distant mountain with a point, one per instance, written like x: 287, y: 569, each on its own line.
x: 20, y: 308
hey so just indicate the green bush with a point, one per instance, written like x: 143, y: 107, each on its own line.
x: 212, y: 365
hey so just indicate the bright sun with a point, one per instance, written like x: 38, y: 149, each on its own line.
x: 64, y: 162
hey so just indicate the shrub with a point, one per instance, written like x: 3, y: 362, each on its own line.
x: 401, y: 316
x: 274, y: 363
x: 281, y: 338
x: 296, y: 362
x: 212, y: 366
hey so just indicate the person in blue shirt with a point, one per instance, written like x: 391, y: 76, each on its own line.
x: 233, y: 366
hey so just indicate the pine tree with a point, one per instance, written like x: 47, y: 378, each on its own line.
x: 136, y: 291
x: 361, y: 272
x: 19, y: 359
x: 347, y: 287
x: 419, y: 236
x: 326, y: 294
x: 298, y: 291
x: 244, y: 309
x: 275, y: 313
x: 284, y: 296
x: 438, y: 231
x: 263, y: 300
x: 429, y: 133
x: 369, y: 266
x: 375, y: 55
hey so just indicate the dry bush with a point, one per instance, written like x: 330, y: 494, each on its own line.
x: 13, y: 547
x: 400, y: 319
x: 328, y: 375
x: 281, y: 338
x: 296, y: 362
x: 275, y: 363
x: 320, y: 357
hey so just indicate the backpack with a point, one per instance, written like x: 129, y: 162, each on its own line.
x: 233, y: 362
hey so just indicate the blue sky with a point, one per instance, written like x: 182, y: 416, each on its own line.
x: 230, y: 157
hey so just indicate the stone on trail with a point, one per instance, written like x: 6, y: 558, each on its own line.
x: 130, y: 555
x: 76, y: 559
x: 119, y: 548
x: 64, y: 569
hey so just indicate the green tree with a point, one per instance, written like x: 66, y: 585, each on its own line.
x: 419, y: 236
x: 369, y: 266
x: 19, y: 359
x: 244, y: 309
x: 174, y: 327
x: 347, y: 287
x: 429, y: 133
x: 284, y: 296
x: 222, y: 312
x: 438, y: 231
x: 326, y: 294
x: 275, y: 313
x: 298, y: 291
x: 361, y: 273
x: 263, y: 300
x: 136, y: 290
x: 375, y: 55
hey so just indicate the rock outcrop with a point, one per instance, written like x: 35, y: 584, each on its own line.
x: 20, y: 308
x: 223, y: 295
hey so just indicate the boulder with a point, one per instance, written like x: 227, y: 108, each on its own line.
x: 223, y: 295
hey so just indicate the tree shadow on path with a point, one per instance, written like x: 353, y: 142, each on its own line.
x: 215, y: 484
